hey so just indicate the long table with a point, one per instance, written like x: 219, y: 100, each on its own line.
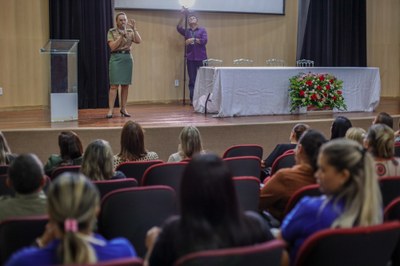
x: 243, y: 91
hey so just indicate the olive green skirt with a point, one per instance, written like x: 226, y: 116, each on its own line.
x: 120, y: 69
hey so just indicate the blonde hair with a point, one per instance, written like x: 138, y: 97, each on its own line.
x: 97, y: 163
x: 4, y: 149
x: 380, y: 140
x: 360, y: 193
x: 190, y: 142
x: 356, y: 134
x: 73, y: 196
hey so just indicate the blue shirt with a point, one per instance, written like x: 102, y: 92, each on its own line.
x: 116, y: 248
x: 310, y: 215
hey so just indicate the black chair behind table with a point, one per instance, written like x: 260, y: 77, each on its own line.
x: 136, y: 169
x: 397, y: 149
x: 62, y: 169
x: 131, y: 212
x: 248, y: 192
x: 390, y: 188
x: 392, y: 210
x: 310, y: 190
x: 371, y: 245
x: 244, y: 166
x: 17, y: 233
x: 4, y: 169
x: 106, y: 186
x: 267, y: 253
x: 286, y: 160
x: 119, y: 262
x: 244, y: 150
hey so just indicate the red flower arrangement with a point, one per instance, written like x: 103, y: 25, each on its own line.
x: 316, y: 90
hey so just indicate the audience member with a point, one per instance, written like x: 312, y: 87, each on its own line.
x: 26, y: 178
x: 384, y: 118
x: 6, y: 157
x: 397, y: 134
x: 132, y: 145
x: 97, y: 162
x: 380, y: 142
x: 190, y: 144
x: 73, y: 203
x: 351, y: 195
x: 339, y: 127
x: 356, y: 134
x: 210, y: 215
x: 70, y: 152
x: 279, y: 149
x: 280, y: 187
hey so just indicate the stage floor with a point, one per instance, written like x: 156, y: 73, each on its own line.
x: 170, y: 115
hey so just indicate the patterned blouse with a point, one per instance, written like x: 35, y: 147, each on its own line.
x: 151, y: 155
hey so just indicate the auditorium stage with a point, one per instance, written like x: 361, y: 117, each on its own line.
x: 30, y: 130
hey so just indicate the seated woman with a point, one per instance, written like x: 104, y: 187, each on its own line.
x: 210, y: 215
x: 98, y: 162
x: 70, y: 152
x: 69, y: 237
x: 356, y: 134
x: 352, y: 195
x: 190, y: 144
x: 280, y: 187
x: 380, y: 142
x: 279, y: 149
x: 6, y: 157
x: 339, y: 127
x: 132, y: 145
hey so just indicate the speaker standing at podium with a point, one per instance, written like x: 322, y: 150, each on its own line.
x: 120, y: 40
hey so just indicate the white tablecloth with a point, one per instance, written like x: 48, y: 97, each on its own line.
x: 241, y: 91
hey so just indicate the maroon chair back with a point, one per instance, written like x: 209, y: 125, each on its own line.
x: 131, y: 212
x: 62, y: 169
x: 118, y: 262
x: 286, y: 160
x: 267, y: 253
x: 106, y: 186
x: 392, y: 211
x: 244, y: 166
x: 136, y: 169
x: 248, y: 192
x: 310, y: 190
x: 16, y: 233
x: 390, y: 188
x: 244, y: 150
x: 370, y: 245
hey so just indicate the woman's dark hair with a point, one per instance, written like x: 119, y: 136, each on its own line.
x: 210, y: 214
x: 339, y: 127
x: 299, y: 129
x: 384, y: 118
x: 132, y: 141
x: 70, y: 145
x: 311, y: 141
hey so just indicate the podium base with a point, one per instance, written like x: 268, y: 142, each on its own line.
x: 63, y: 107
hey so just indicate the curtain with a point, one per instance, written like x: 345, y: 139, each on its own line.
x: 335, y: 32
x: 87, y: 21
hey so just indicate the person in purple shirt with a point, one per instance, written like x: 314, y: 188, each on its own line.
x: 195, y: 41
x: 352, y: 196
x: 73, y: 204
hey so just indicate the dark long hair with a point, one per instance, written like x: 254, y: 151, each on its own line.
x: 132, y: 141
x: 311, y: 141
x: 70, y: 145
x: 339, y: 127
x: 211, y: 216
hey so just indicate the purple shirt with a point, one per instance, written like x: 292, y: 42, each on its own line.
x: 196, y: 51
